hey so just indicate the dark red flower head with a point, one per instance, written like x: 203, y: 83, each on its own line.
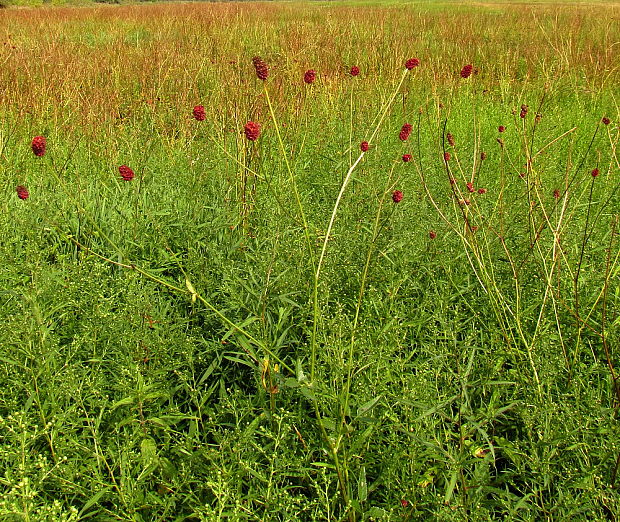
x: 355, y: 70
x: 470, y: 187
x: 38, y: 145
x: 411, y: 63
x: 405, y: 132
x: 364, y: 146
x: 467, y: 70
x: 262, y: 69
x: 594, y: 173
x: 252, y: 130
x: 482, y: 191
x: 501, y: 128
x: 432, y: 234
x: 310, y: 76
x: 22, y: 192
x: 397, y: 196
x: 199, y: 113
x: 446, y: 156
x: 450, y: 139
x: 606, y: 120
x: 126, y: 173
x: 407, y: 158
x: 556, y: 194
x: 483, y: 156
x: 523, y: 112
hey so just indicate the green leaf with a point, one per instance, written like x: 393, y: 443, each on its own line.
x: 362, y: 485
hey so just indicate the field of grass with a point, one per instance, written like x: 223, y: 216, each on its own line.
x: 262, y: 329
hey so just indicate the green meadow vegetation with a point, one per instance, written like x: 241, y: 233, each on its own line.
x: 231, y: 289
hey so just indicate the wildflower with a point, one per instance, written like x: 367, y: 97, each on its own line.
x: 411, y: 63
x: 467, y: 70
x: 523, y: 112
x: 432, y: 234
x: 252, y: 130
x: 606, y: 120
x: 310, y: 76
x: 355, y: 70
x: 501, y: 128
x: 450, y: 139
x: 405, y: 132
x: 38, y: 145
x: 556, y: 194
x: 470, y: 187
x: 397, y: 196
x: 22, y: 192
x: 364, y: 146
x: 446, y: 156
x: 483, y: 156
x: 594, y: 173
x: 482, y: 191
x: 126, y: 173
x: 262, y: 70
x: 199, y: 113
x: 404, y: 503
x: 407, y: 158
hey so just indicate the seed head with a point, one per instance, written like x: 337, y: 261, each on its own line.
x: 482, y: 191
x: 467, y: 70
x: 310, y: 76
x: 405, y: 132
x: 252, y: 130
x: 411, y: 63
x: 606, y: 120
x: 126, y: 173
x: 407, y: 158
x: 594, y: 173
x: 501, y: 128
x: 432, y: 234
x: 446, y: 156
x: 38, y: 145
x: 355, y: 70
x: 556, y: 194
x: 483, y: 156
x: 450, y: 139
x: 470, y: 187
x: 364, y: 146
x: 397, y: 196
x: 199, y: 113
x: 262, y: 69
x: 22, y: 192
x: 523, y: 112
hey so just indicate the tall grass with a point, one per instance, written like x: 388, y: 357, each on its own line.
x: 258, y: 330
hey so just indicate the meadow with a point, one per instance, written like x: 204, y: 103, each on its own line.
x: 310, y: 261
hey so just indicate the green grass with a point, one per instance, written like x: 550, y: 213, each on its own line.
x: 164, y: 354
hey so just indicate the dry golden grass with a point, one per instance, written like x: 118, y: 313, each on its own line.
x: 88, y: 65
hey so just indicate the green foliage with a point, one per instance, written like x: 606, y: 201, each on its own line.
x: 163, y: 353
